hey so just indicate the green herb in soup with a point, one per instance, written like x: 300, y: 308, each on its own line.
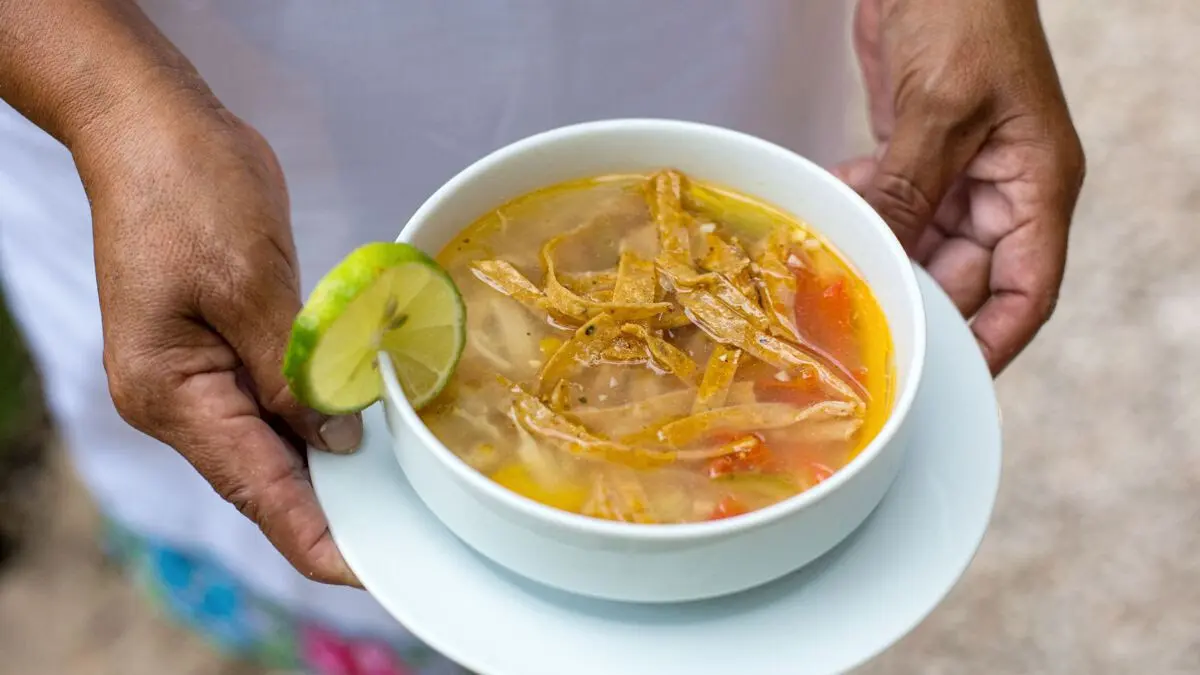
x: 651, y: 350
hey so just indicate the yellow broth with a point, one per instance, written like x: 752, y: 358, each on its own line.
x: 654, y: 350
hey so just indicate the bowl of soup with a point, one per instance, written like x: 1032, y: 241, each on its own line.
x: 690, y: 359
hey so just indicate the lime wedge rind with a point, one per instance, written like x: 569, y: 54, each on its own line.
x: 359, y: 308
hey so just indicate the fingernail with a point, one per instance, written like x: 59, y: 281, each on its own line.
x: 342, y: 434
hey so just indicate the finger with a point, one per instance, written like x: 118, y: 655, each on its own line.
x: 1027, y: 269
x: 961, y: 267
x: 931, y: 146
x: 220, y: 432
x: 1028, y: 263
x: 951, y: 253
x: 855, y: 172
x: 257, y: 324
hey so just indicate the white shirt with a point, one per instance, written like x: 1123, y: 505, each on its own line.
x: 371, y: 105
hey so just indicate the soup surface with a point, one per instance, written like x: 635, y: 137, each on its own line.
x: 651, y: 349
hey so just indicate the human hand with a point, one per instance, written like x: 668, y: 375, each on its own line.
x: 978, y: 166
x: 198, y: 288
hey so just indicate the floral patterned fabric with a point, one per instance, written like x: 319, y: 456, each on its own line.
x: 203, y: 596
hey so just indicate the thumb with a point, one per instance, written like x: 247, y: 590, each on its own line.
x: 925, y: 155
x: 257, y: 322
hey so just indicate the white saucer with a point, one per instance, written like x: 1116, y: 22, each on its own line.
x: 834, y: 614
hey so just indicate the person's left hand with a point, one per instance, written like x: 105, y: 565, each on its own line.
x: 978, y: 166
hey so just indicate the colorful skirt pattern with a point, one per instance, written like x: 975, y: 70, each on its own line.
x: 203, y: 596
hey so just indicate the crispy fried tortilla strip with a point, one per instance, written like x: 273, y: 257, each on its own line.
x: 636, y: 281
x: 749, y: 418
x: 585, y: 348
x: 505, y: 278
x: 777, y: 286
x: 665, y: 189
x: 743, y: 304
x: 546, y: 425
x: 622, y: 420
x: 672, y: 319
x: 682, y: 278
x: 582, y: 309
x: 729, y: 259
x: 718, y: 378
x: 664, y: 355
x: 630, y: 420
x: 727, y: 327
x: 724, y: 256
x: 584, y: 283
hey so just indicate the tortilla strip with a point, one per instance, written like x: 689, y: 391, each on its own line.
x: 666, y: 207
x: 625, y: 349
x: 584, y: 348
x: 621, y: 420
x: 545, y: 424
x: 582, y: 309
x: 777, y: 286
x: 743, y: 304
x: 670, y: 320
x: 682, y: 279
x: 727, y: 327
x: 729, y: 259
x: 678, y: 273
x: 651, y: 413
x: 663, y: 354
x: 588, y: 282
x: 674, y: 261
x: 636, y: 281
x: 749, y: 418
x: 724, y: 257
x: 505, y: 278
x: 718, y: 378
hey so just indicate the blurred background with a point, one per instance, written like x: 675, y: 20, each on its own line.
x: 1092, y: 564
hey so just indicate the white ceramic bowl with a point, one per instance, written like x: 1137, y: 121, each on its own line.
x: 666, y: 563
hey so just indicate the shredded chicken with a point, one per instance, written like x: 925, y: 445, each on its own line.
x: 747, y: 418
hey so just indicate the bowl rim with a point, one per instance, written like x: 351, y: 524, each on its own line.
x: 667, y: 532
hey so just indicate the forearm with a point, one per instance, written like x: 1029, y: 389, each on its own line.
x: 72, y: 66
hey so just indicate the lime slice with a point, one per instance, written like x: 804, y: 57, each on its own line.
x: 382, y: 297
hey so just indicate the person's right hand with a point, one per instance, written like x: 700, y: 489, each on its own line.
x: 198, y: 289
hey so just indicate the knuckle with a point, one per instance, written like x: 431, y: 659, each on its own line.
x: 130, y: 385
x: 240, y: 273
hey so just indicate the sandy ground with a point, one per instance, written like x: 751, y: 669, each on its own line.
x: 1092, y: 564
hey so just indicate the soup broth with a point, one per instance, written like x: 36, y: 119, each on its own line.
x: 651, y: 349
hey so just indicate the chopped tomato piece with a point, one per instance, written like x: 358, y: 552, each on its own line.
x: 753, y: 457
x: 825, y: 317
x: 728, y: 507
